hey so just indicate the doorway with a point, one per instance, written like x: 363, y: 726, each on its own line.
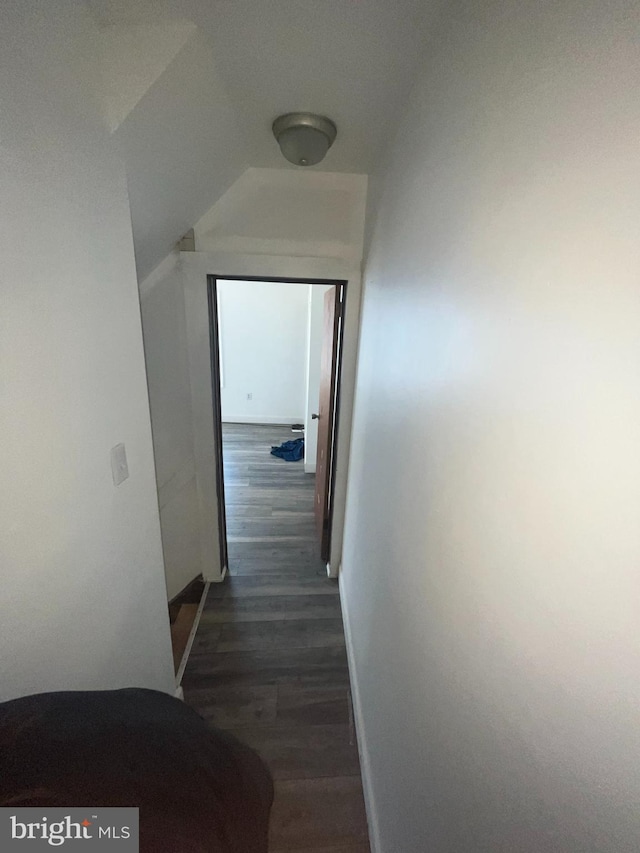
x: 276, y: 347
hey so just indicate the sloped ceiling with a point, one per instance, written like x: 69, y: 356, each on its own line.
x: 282, y: 212
x: 133, y: 56
x: 183, y: 150
x: 208, y: 114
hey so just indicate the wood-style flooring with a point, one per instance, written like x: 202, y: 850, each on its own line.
x: 269, y: 662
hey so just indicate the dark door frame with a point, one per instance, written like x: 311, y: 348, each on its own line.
x: 214, y: 348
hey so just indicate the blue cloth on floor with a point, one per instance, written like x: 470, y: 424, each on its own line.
x: 290, y: 451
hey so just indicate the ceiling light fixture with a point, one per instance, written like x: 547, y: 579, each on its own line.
x: 304, y: 138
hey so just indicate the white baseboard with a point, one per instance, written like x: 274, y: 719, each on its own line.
x: 192, y: 636
x: 219, y: 579
x: 363, y: 750
x: 266, y: 421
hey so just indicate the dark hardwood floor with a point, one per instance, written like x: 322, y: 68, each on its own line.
x: 269, y: 662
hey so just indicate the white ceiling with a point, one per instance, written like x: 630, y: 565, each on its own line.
x: 296, y: 213
x: 353, y: 60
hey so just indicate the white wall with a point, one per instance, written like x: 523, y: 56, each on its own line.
x: 490, y: 570
x: 83, y: 598
x: 315, y: 318
x: 165, y: 344
x: 263, y: 351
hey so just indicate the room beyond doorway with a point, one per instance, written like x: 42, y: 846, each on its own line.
x: 276, y: 348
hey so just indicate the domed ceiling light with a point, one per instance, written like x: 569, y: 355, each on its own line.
x: 304, y: 138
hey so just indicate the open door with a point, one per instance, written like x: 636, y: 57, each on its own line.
x: 327, y: 414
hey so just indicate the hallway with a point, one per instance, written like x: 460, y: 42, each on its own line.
x: 269, y: 661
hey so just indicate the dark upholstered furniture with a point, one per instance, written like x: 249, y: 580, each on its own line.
x: 198, y: 789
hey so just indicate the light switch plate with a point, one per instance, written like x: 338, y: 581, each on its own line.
x: 119, y: 467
